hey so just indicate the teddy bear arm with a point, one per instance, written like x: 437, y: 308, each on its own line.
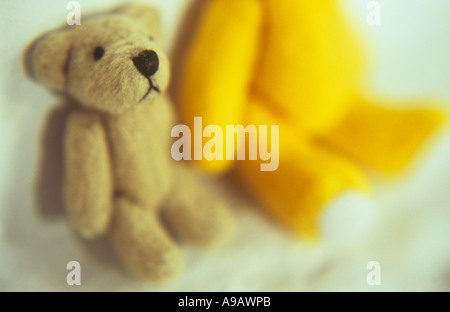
x: 88, y: 179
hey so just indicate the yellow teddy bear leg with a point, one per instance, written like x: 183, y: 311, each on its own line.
x: 384, y: 137
x: 308, y: 177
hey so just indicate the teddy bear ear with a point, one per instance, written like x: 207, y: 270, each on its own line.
x: 150, y: 16
x: 46, y: 59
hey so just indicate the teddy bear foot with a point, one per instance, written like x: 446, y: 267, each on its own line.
x: 195, y: 214
x: 143, y: 245
x: 347, y: 218
x: 206, y: 224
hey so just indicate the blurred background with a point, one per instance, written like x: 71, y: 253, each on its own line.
x: 411, y: 238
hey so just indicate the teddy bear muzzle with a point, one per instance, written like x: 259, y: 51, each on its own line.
x: 147, y: 63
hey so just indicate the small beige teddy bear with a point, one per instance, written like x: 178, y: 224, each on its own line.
x: 120, y: 179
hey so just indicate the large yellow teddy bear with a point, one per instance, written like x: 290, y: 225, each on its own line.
x: 294, y: 63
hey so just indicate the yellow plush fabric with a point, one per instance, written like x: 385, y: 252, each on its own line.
x: 295, y: 63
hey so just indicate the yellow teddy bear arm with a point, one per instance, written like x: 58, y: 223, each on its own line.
x: 218, y: 67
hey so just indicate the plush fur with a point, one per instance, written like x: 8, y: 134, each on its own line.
x: 295, y: 63
x: 120, y: 179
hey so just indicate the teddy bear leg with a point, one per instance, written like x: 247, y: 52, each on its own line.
x: 142, y: 244
x: 194, y: 213
x: 385, y: 137
x: 309, y: 189
x: 309, y: 181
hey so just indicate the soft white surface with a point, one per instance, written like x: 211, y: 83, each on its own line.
x: 411, y: 238
x: 347, y: 217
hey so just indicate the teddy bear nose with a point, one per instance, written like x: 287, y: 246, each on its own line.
x: 147, y: 62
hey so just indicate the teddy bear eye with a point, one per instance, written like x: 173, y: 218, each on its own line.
x: 151, y: 38
x: 98, y: 53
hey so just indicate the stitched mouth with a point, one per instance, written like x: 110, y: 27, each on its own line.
x: 150, y: 88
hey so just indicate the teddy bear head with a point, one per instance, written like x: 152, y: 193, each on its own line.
x: 111, y: 62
